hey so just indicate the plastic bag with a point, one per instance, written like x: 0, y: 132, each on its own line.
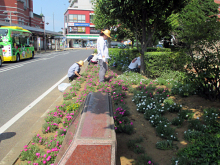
x: 62, y: 87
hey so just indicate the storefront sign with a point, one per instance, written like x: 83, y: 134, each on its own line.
x: 79, y: 24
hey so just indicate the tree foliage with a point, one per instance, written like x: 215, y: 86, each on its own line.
x: 200, y: 30
x: 143, y: 16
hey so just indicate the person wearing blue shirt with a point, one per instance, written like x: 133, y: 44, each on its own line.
x: 74, y: 70
x: 90, y: 57
x: 103, y: 53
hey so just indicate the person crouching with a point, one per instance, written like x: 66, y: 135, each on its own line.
x: 90, y: 57
x: 94, y: 60
x: 135, y: 65
x: 74, y: 70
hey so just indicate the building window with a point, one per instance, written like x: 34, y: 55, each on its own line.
x: 65, y: 18
x: 76, y: 29
x: 91, y: 18
x: 94, y: 31
x: 7, y: 19
x: 77, y: 18
x: 25, y: 4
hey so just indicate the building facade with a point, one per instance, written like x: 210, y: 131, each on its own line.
x: 78, y: 22
x: 20, y: 13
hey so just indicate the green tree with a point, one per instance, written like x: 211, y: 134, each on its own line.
x: 200, y: 31
x: 145, y: 16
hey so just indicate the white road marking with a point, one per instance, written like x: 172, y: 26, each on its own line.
x: 25, y: 110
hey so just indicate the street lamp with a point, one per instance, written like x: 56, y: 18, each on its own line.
x: 43, y: 22
x: 14, y: 12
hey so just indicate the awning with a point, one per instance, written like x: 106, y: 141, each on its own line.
x: 32, y: 29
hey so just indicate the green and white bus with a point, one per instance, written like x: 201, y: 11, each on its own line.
x: 16, y: 44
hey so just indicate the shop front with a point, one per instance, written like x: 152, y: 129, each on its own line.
x: 82, y: 41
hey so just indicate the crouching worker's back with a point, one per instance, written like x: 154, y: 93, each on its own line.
x: 135, y: 65
x: 74, y: 70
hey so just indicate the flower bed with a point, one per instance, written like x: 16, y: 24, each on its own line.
x: 136, y: 100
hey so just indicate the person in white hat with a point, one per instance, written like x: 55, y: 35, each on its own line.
x: 103, y: 53
x: 74, y: 70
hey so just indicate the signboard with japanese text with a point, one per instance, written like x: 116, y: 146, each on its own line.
x: 79, y: 24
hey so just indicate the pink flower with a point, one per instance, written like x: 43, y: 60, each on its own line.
x: 149, y: 162
x: 37, y: 154
x: 32, y: 143
x: 25, y: 146
x: 131, y: 123
x: 44, y: 162
x: 25, y: 149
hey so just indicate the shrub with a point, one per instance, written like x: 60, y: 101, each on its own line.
x: 135, y: 146
x: 165, y: 131
x: 164, y: 145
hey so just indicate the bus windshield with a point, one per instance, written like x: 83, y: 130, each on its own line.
x: 3, y: 32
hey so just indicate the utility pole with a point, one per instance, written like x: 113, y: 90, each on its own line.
x: 53, y: 22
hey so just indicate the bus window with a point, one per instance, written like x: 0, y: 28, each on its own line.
x: 17, y: 41
x: 3, y: 32
x: 23, y: 40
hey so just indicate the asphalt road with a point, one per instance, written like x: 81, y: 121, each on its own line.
x: 23, y: 82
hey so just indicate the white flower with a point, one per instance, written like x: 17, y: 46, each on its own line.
x: 165, y: 125
x: 152, y: 121
x: 161, y: 134
x: 174, y: 103
x: 180, y: 105
x: 197, y: 118
x: 171, y: 136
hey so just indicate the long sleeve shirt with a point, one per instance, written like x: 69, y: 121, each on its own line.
x: 72, y: 69
x: 102, y: 49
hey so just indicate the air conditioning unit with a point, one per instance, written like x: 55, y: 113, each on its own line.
x: 25, y: 7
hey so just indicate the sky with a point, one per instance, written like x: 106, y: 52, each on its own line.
x: 48, y: 7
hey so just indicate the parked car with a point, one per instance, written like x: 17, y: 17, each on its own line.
x: 159, y: 46
x: 114, y: 44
